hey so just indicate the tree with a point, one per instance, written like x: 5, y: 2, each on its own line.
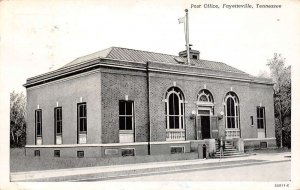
x: 281, y: 76
x: 17, y: 119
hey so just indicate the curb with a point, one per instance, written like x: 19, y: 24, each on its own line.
x: 174, y: 171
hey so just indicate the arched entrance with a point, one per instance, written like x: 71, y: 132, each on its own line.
x: 204, y: 112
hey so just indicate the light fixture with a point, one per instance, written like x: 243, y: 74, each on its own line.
x: 220, y: 115
x: 193, y: 114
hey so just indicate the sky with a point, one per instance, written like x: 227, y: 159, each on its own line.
x: 39, y: 35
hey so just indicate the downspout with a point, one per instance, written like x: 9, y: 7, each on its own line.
x: 148, y: 105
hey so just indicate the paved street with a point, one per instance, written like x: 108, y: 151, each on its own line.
x: 255, y: 167
x: 280, y: 171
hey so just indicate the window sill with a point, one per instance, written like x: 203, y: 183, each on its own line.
x: 126, y: 131
x: 175, y: 130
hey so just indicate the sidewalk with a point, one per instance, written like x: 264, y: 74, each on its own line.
x: 118, y: 171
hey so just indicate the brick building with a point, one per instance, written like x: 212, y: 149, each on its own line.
x: 121, y: 101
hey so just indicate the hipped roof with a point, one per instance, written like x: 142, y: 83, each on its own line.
x: 125, y: 55
x: 132, y: 55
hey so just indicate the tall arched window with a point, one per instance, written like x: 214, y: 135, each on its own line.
x: 232, y: 110
x: 175, y: 108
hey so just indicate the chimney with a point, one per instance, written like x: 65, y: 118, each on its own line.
x: 194, y: 54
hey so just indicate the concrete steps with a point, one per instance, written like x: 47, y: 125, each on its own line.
x: 229, y: 151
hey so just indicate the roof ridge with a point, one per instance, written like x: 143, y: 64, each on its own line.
x: 111, y: 48
x: 100, y: 51
x: 218, y: 62
x: 164, y: 54
x: 148, y: 55
x: 142, y: 51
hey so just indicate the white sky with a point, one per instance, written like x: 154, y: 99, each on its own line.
x: 38, y: 34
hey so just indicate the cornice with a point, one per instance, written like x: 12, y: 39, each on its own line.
x: 137, y: 66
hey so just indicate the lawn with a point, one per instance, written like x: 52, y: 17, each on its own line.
x: 19, y: 162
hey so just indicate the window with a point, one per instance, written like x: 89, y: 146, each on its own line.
x: 80, y: 154
x: 177, y: 149
x: 175, y: 108
x: 38, y: 126
x: 126, y: 121
x: 127, y: 152
x: 260, y: 117
x: 126, y: 115
x: 37, y: 153
x: 232, y: 110
x: 82, y: 122
x: 263, y: 145
x: 56, y: 153
x: 205, y: 96
x: 58, y: 125
x: 251, y: 120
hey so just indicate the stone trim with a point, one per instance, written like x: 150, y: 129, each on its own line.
x: 260, y: 139
x: 103, y: 145
x: 103, y: 63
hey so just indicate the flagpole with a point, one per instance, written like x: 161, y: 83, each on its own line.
x: 187, y: 36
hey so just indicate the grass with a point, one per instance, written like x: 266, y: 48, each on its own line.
x: 269, y: 150
x: 19, y: 162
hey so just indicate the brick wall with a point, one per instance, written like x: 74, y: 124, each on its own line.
x: 103, y: 90
x: 115, y: 84
x: 67, y: 93
x: 250, y: 96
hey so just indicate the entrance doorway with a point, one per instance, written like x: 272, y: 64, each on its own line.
x: 205, y: 126
x: 203, y: 123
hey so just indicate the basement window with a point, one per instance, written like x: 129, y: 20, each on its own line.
x: 37, y: 153
x: 127, y: 152
x: 177, y: 149
x: 263, y: 145
x: 80, y: 154
x: 56, y: 153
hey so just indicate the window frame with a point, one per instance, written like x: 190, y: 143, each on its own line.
x: 181, y: 108
x: 263, y: 118
x: 56, y: 153
x: 126, y: 116
x: 83, y: 117
x: 236, y: 110
x: 37, y: 153
x: 79, y: 131
x: 56, y: 121
x: 175, y: 147
x: 37, y: 112
x: 207, y: 94
x: 80, y: 154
